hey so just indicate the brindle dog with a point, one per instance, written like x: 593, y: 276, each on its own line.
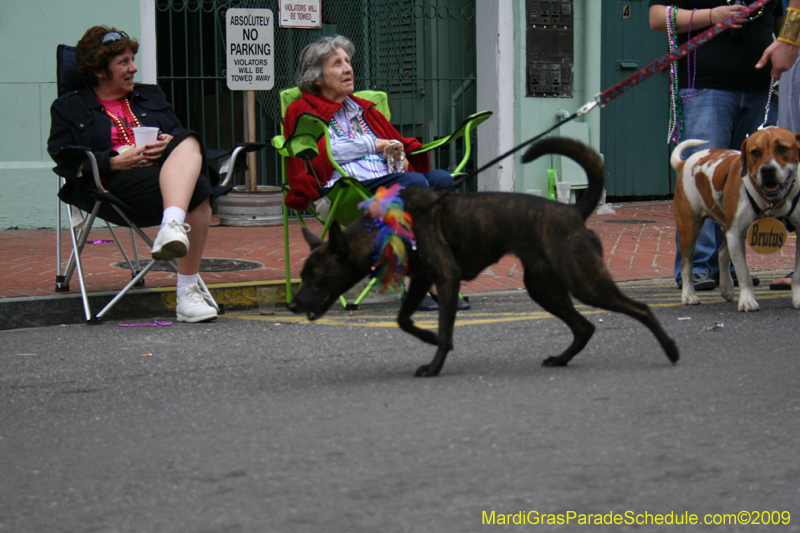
x: 459, y: 235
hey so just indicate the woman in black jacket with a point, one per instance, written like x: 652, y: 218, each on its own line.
x: 166, y: 182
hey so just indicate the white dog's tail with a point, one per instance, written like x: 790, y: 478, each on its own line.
x: 675, y: 158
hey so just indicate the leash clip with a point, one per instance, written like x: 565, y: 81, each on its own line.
x: 588, y: 106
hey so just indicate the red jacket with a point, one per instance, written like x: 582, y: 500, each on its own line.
x: 303, y: 186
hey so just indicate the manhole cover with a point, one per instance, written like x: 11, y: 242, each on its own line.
x: 629, y: 221
x: 206, y: 265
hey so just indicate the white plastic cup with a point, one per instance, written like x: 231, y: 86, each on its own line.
x: 535, y: 192
x: 563, y: 191
x: 145, y: 135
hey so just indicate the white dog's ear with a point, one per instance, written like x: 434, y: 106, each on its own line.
x: 312, y: 240
x: 338, y: 242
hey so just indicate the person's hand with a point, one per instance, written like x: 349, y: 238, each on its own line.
x: 152, y: 152
x: 720, y: 13
x: 130, y: 158
x: 783, y: 55
x: 395, y: 157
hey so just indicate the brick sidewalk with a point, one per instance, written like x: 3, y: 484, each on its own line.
x: 638, y: 243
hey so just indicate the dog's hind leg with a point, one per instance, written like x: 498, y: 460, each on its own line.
x: 546, y: 290
x: 605, y: 294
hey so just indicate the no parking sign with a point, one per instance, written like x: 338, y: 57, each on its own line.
x: 250, y: 45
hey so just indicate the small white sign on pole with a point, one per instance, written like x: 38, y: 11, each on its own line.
x: 250, y: 45
x: 301, y: 14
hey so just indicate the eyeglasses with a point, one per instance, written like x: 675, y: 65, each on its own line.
x: 113, y: 36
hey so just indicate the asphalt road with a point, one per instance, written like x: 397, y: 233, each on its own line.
x: 254, y: 424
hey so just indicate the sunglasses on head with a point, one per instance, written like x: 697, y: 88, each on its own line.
x: 113, y: 36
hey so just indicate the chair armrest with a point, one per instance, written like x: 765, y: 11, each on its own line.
x: 80, y: 153
x: 302, y: 142
x: 469, y: 124
x: 230, y: 162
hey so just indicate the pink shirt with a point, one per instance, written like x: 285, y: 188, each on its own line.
x: 118, y: 140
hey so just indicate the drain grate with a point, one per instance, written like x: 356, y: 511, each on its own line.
x: 206, y: 265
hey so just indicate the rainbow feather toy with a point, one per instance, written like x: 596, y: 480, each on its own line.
x: 393, y: 235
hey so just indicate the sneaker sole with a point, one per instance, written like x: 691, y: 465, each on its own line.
x: 193, y: 319
x: 171, y: 250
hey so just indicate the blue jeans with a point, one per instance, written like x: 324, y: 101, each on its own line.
x: 724, y: 118
x: 434, y: 178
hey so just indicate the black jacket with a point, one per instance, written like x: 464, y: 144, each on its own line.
x: 77, y: 119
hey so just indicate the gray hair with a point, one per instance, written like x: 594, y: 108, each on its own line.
x: 312, y: 60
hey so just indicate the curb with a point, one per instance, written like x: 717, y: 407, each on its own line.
x: 57, y: 309
x: 139, y: 304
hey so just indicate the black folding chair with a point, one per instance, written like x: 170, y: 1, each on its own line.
x: 81, y: 222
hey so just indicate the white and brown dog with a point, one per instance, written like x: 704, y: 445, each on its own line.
x: 734, y: 189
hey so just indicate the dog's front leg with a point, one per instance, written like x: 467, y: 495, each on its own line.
x: 447, y: 296
x: 735, y: 238
x: 796, y: 282
x: 416, y: 292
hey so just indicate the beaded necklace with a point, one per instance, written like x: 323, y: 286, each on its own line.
x: 358, y: 128
x: 674, y: 118
x: 123, y: 126
x: 751, y: 18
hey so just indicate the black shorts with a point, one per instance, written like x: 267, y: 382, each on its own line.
x: 139, y: 189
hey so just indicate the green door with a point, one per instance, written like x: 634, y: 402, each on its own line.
x: 633, y: 127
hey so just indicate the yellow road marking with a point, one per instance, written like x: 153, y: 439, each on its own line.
x: 669, y: 298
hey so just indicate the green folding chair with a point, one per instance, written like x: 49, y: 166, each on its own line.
x: 347, y: 192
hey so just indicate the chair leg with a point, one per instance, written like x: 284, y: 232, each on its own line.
x: 134, y: 266
x: 124, y: 291
x: 76, y: 256
x: 354, y: 306
x: 208, y: 292
x: 286, y: 258
x: 60, y: 285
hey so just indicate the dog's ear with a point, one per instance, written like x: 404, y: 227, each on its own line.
x: 743, y: 155
x: 797, y: 138
x: 312, y: 240
x: 337, y: 242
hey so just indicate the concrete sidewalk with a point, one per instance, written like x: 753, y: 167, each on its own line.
x: 638, y: 242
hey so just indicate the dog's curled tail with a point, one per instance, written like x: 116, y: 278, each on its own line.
x: 675, y: 158
x: 585, y: 156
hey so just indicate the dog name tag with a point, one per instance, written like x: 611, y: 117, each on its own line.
x: 766, y: 235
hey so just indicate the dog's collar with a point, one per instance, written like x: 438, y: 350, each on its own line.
x: 384, y: 214
x: 768, y: 210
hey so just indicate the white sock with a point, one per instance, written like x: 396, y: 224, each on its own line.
x: 174, y: 213
x: 185, y: 281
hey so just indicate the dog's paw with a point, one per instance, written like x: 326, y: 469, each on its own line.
x: 727, y: 293
x: 425, y: 371
x: 690, y: 299
x: 796, y: 303
x: 748, y: 305
x: 554, y: 361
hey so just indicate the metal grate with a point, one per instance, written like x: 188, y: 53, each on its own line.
x: 421, y: 52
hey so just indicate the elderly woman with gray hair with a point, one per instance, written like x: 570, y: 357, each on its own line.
x: 363, y: 142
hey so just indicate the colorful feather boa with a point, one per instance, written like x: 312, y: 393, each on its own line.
x: 393, y: 235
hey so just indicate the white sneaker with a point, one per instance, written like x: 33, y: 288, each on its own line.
x: 195, y: 306
x: 171, y: 241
